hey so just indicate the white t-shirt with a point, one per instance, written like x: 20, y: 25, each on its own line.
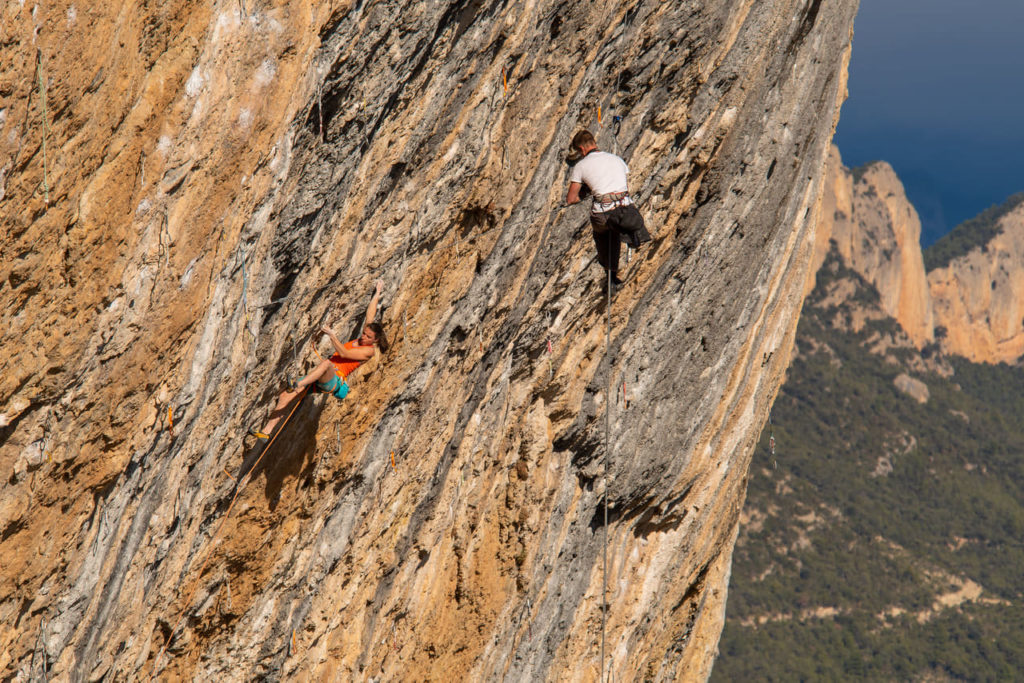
x: 603, y: 173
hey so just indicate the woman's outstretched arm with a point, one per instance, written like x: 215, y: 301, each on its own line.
x: 371, y: 310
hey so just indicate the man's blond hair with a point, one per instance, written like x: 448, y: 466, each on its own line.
x: 582, y: 139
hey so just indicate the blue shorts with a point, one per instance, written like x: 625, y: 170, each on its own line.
x: 335, y: 386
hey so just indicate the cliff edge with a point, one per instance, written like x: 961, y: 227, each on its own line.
x: 877, y: 233
x: 191, y: 190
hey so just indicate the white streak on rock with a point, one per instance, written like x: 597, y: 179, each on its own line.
x: 194, y: 83
x: 245, y: 119
x: 163, y: 145
x: 266, y: 72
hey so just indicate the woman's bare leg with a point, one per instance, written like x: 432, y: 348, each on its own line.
x: 321, y: 373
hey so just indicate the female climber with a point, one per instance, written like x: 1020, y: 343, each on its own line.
x: 330, y: 374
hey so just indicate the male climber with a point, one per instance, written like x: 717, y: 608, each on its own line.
x: 330, y: 374
x: 613, y: 215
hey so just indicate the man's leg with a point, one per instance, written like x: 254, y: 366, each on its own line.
x: 614, y: 249
x: 321, y: 373
x: 606, y: 240
x: 599, y: 227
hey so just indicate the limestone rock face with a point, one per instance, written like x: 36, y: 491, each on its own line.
x: 878, y: 234
x: 189, y: 191
x: 979, y: 297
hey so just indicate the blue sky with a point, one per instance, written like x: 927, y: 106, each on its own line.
x: 937, y: 90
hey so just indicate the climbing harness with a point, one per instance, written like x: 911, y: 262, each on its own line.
x: 615, y: 198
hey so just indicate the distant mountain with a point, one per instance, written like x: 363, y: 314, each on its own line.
x: 876, y: 231
x: 967, y: 290
x: 883, y: 534
x: 978, y: 290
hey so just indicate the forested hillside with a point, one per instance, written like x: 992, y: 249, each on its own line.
x: 883, y: 538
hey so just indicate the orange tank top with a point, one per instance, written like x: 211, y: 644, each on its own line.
x: 342, y: 366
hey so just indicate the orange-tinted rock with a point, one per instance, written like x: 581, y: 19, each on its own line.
x: 878, y: 233
x: 220, y: 179
x: 979, y: 297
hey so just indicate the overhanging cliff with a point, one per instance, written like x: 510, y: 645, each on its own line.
x: 192, y: 190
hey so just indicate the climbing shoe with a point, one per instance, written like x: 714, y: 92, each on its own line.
x: 259, y: 435
x: 616, y: 283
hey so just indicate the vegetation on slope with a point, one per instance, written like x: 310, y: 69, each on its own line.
x: 842, y: 565
x: 976, y: 232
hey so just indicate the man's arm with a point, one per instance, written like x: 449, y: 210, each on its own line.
x: 573, y: 196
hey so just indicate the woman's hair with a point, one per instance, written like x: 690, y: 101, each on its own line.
x: 382, y: 339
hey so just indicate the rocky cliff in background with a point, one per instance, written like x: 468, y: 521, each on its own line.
x: 971, y: 300
x: 877, y: 232
x: 188, y: 191
x: 978, y: 289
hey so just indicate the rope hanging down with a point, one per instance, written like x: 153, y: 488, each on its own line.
x: 45, y: 126
x: 607, y: 458
x: 616, y: 127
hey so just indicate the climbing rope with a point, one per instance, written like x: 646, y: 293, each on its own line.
x: 607, y: 456
x: 244, y: 303
x: 551, y: 367
x: 45, y: 127
x: 238, y: 489
x: 616, y: 127
x: 312, y: 345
